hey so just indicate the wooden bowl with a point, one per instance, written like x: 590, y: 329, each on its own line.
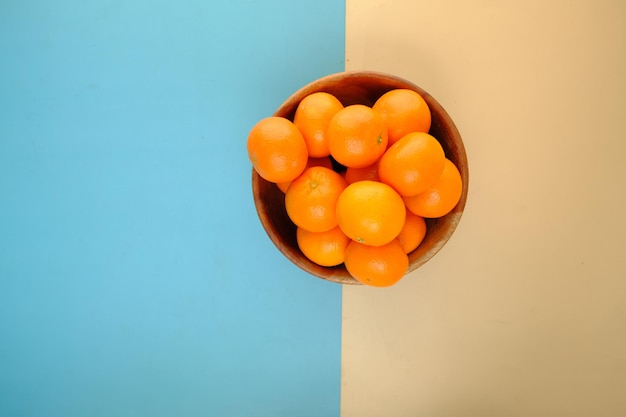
x: 361, y: 87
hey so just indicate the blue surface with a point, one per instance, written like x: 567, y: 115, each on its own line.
x: 135, y: 278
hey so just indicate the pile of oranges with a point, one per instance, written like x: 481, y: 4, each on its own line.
x: 359, y: 180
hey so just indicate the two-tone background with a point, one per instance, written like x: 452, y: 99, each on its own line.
x: 136, y: 280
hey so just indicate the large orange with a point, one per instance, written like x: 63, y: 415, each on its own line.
x: 413, y: 232
x: 312, y: 197
x: 324, y: 248
x: 441, y: 197
x: 378, y: 266
x: 277, y: 149
x: 370, y: 212
x: 312, y: 162
x: 405, y: 111
x: 312, y: 117
x: 412, y: 164
x: 357, y: 136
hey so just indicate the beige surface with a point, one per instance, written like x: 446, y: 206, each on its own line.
x: 523, y: 313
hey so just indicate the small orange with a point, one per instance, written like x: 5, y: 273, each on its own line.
x: 357, y: 136
x: 370, y: 212
x: 277, y: 149
x: 413, y: 232
x: 377, y: 266
x: 361, y: 174
x: 405, y: 111
x: 311, y: 199
x: 312, y: 117
x: 441, y: 197
x: 324, y: 248
x: 412, y: 164
x: 312, y: 162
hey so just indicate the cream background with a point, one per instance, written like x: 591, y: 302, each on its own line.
x: 523, y: 312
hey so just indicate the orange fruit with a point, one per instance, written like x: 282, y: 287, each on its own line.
x: 312, y: 117
x: 413, y: 232
x: 361, y: 174
x: 412, y: 164
x: 311, y: 199
x: 324, y: 248
x: 277, y: 149
x: 441, y: 197
x: 378, y: 266
x: 370, y: 212
x: 357, y: 136
x: 312, y: 162
x: 405, y: 111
